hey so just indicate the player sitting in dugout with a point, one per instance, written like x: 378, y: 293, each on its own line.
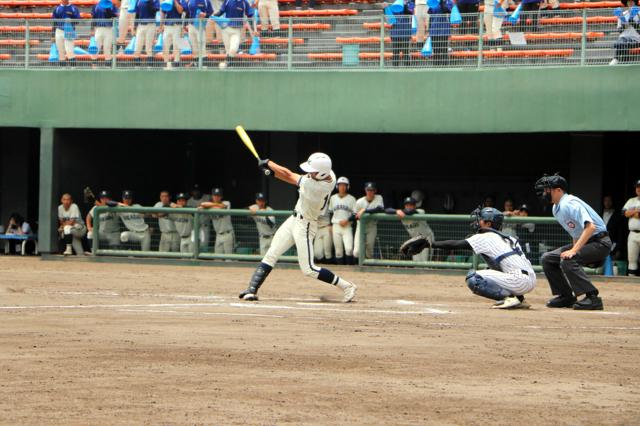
x: 510, y: 276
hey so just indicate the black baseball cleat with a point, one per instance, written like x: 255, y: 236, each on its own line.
x: 562, y: 302
x: 249, y: 295
x: 589, y: 303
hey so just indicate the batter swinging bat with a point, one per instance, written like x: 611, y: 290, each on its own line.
x: 247, y: 141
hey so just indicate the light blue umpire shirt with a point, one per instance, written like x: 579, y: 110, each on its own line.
x: 572, y: 213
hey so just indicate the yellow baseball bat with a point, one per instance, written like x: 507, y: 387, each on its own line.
x: 247, y: 141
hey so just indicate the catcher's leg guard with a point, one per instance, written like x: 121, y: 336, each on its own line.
x: 260, y: 274
x: 486, y: 287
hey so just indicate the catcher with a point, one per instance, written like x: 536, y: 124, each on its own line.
x: 510, y: 275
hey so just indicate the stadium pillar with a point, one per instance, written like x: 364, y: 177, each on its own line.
x: 49, y: 193
x: 585, y: 179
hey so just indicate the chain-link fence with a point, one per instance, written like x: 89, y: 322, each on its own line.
x: 324, y: 39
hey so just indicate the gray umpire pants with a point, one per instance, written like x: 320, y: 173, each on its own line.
x: 566, y: 276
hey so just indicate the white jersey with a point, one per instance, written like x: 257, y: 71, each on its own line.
x: 72, y: 214
x: 108, y: 221
x: 342, y: 207
x: 417, y: 227
x: 494, y: 246
x: 362, y: 203
x: 314, y: 196
x: 195, y: 202
x: 263, y: 226
x: 634, y: 222
x: 165, y: 223
x: 183, y: 223
x: 222, y: 223
x: 134, y: 221
x: 325, y: 217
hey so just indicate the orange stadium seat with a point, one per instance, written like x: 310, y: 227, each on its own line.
x: 22, y: 29
x: 511, y: 53
x: 371, y: 56
x: 10, y: 42
x: 5, y: 56
x: 158, y: 56
x: 19, y: 15
x: 535, y: 36
x: 361, y: 40
x: 374, y: 26
x: 578, y: 20
x: 43, y: 3
x: 580, y: 5
x: 319, y: 12
x: 304, y: 27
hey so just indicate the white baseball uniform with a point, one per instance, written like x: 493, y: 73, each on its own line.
x: 323, y: 241
x: 633, y: 242
x: 342, y: 208
x: 184, y: 228
x: 169, y: 238
x: 419, y: 227
x: 109, y: 228
x: 300, y: 229
x: 137, y: 229
x: 205, y: 225
x: 77, y: 230
x: 372, y: 226
x: 225, y: 237
x: 266, y: 226
x: 516, y: 275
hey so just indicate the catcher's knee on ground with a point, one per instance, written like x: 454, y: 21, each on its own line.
x: 486, y: 287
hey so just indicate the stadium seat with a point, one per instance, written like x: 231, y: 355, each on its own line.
x: 15, y: 43
x: 535, y: 36
x: 20, y: 15
x: 44, y: 3
x: 5, y: 56
x: 319, y: 12
x: 578, y: 20
x: 303, y: 27
x: 489, y: 54
x: 22, y: 29
x: 371, y: 56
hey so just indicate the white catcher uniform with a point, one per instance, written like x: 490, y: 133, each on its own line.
x: 419, y: 227
x: 169, y: 239
x: 372, y: 226
x: 633, y: 242
x: 323, y: 242
x: 225, y: 237
x: 266, y: 226
x: 137, y: 229
x: 109, y: 230
x: 342, y: 208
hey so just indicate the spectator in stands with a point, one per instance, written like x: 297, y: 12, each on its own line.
x: 529, y: 16
x: 550, y: 8
x: 269, y: 16
x: 125, y: 23
x: 234, y: 10
x: 71, y: 226
x: 421, y: 13
x: 16, y: 226
x: 145, y: 29
x: 440, y: 30
x: 401, y: 34
x: 109, y: 227
x: 613, y: 219
x: 493, y: 19
x: 489, y: 201
x: 469, y: 10
x: 508, y: 228
x: 102, y: 28
x: 64, y: 31
x: 311, y: 4
x: 628, y: 23
x: 171, y: 29
x: 197, y: 11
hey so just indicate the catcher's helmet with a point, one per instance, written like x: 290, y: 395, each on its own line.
x: 555, y: 181
x: 104, y: 194
x: 488, y: 214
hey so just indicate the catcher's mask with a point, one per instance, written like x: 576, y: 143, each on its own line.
x: 549, y: 182
x: 488, y: 214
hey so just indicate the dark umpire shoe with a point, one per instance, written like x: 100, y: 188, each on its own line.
x: 589, y: 303
x: 562, y: 302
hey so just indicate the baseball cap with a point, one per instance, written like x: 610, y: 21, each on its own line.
x: 638, y: 182
x: 524, y: 207
x: 260, y: 196
x: 181, y: 195
x: 370, y: 185
x: 409, y: 200
x: 127, y: 194
x: 104, y: 194
x: 216, y: 191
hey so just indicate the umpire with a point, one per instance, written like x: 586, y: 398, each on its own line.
x: 591, y: 245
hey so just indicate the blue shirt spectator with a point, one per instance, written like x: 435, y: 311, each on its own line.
x: 173, y: 17
x: 192, y: 6
x: 235, y: 10
x: 402, y: 27
x: 146, y: 10
x: 65, y: 11
x: 103, y: 15
x: 439, y: 24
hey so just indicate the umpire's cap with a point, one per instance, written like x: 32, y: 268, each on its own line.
x: 370, y: 185
x: 216, y: 191
x: 127, y: 194
x: 104, y: 194
x: 260, y: 196
x: 409, y: 200
x: 182, y: 196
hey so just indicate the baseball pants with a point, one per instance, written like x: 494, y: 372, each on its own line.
x: 265, y: 243
x: 269, y: 14
x: 231, y: 39
x: 342, y: 240
x: 566, y: 276
x: 493, y: 24
x: 111, y: 238
x: 186, y: 244
x: 65, y: 46
x: 169, y: 242
x: 104, y: 41
x: 224, y: 242
x: 195, y: 38
x: 73, y: 234
x: 205, y: 236
x: 171, y: 38
x: 518, y: 283
x: 144, y: 238
x: 633, y: 250
x: 124, y: 21
x: 422, y: 16
x: 323, y: 243
x: 145, y: 35
x: 370, y: 241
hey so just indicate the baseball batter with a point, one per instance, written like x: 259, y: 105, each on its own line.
x: 314, y: 189
x: 415, y: 227
x: 184, y: 224
x: 631, y: 210
x: 370, y: 203
x: 342, y: 207
x: 71, y: 226
x: 109, y: 225
x: 266, y: 225
x: 137, y: 230
x: 323, y: 242
x: 197, y: 198
x: 169, y: 238
x: 511, y: 274
x: 225, y: 237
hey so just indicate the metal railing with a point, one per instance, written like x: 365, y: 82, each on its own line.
x: 113, y: 237
x: 570, y: 37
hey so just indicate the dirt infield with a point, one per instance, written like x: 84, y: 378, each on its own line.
x: 88, y: 343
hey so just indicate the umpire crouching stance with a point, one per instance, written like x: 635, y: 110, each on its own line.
x: 591, y: 245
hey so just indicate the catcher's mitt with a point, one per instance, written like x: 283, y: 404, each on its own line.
x: 414, y: 245
x: 89, y: 198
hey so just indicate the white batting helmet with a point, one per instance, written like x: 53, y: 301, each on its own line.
x: 343, y: 179
x: 318, y: 163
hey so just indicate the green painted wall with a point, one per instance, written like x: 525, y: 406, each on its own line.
x: 448, y: 101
